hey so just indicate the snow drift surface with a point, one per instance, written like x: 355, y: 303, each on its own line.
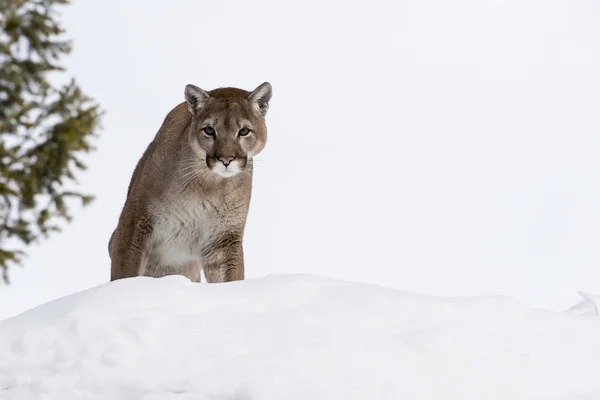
x: 293, y: 337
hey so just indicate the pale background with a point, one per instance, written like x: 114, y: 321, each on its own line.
x: 441, y: 147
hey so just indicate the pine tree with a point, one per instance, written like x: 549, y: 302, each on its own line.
x: 44, y: 127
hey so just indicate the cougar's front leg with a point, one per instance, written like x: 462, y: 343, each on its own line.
x: 128, y: 249
x: 224, y: 259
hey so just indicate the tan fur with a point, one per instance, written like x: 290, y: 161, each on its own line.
x: 186, y: 207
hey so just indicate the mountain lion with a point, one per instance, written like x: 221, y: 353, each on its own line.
x: 188, y: 199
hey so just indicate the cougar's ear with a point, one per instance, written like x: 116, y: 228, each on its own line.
x: 260, y: 97
x: 195, y: 97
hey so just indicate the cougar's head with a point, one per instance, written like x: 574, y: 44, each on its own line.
x: 228, y: 126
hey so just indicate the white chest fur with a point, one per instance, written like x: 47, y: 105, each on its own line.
x: 181, y: 229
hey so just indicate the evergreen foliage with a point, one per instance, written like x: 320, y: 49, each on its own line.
x: 45, y: 127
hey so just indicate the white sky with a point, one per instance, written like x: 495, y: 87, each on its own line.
x: 447, y: 148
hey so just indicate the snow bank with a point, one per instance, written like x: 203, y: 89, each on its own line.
x: 293, y: 337
x: 589, y: 306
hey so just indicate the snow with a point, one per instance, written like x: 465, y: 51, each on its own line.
x: 589, y: 305
x: 294, y: 337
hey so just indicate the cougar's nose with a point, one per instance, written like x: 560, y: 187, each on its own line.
x: 226, y: 160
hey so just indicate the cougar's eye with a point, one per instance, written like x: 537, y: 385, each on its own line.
x: 244, y: 132
x: 209, y: 131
